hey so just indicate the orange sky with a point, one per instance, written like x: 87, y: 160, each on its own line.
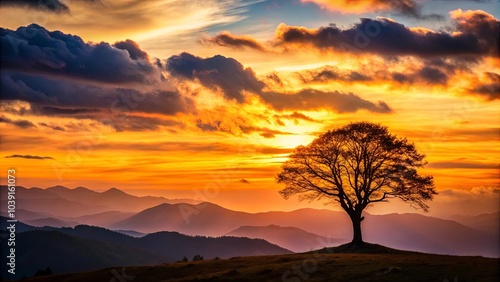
x: 228, y: 124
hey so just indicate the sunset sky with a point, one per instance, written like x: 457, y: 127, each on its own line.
x: 205, y: 99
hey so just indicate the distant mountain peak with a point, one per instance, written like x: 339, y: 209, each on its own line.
x: 82, y: 188
x: 114, y: 191
x: 58, y: 187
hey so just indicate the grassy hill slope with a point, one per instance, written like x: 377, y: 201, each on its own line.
x: 332, y: 264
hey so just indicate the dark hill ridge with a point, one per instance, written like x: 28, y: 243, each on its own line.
x: 177, y: 245
x: 310, y: 267
x: 84, y: 248
x: 70, y: 254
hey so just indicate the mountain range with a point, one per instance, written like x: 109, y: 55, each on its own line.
x: 64, y: 202
x: 295, y: 230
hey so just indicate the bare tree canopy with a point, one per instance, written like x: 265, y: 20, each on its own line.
x: 356, y: 165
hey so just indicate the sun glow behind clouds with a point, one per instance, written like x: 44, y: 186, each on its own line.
x: 292, y: 141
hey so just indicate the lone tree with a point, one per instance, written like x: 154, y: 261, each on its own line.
x: 356, y: 165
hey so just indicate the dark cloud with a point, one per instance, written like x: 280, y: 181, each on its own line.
x: 209, y: 126
x: 400, y: 77
x: 32, y: 157
x: 433, y: 75
x: 51, y: 96
x: 36, y: 50
x: 490, y: 91
x: 409, y: 8
x: 133, y: 49
x: 244, y: 181
x: 237, y: 128
x: 230, y: 76
x: 295, y: 116
x: 49, y: 111
x: 227, y: 39
x: 52, y: 126
x: 264, y: 132
x: 22, y: 123
x: 119, y: 122
x: 60, y: 75
x: 54, y: 6
x: 275, y: 79
x: 476, y: 34
x: 485, y: 26
x: 218, y: 71
x: 356, y: 76
x: 435, y: 71
x: 330, y: 73
x: 490, y: 88
x: 140, y: 123
x: 310, y: 99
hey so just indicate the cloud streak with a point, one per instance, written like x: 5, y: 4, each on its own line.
x: 310, y: 99
x: 227, y: 39
x: 31, y: 157
x: 22, y: 123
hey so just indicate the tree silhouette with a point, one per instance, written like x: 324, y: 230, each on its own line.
x: 197, y: 258
x: 354, y: 166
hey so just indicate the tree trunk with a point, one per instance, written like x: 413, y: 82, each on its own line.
x: 357, y: 238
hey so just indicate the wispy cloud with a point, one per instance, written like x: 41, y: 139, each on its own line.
x: 32, y: 157
x: 22, y: 123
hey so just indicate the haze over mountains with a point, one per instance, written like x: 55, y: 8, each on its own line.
x: 80, y: 201
x: 291, y: 238
x: 299, y: 230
